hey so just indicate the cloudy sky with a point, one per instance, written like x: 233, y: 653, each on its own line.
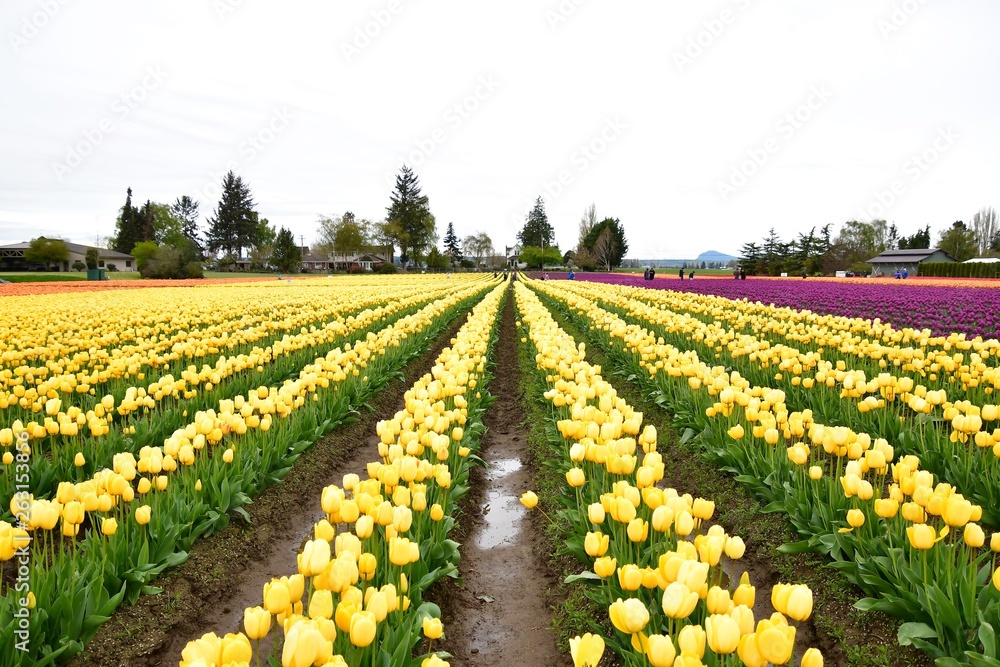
x: 699, y: 124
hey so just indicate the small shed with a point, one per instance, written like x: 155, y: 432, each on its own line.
x: 891, y: 261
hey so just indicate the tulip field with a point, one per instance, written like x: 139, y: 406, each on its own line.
x: 137, y: 423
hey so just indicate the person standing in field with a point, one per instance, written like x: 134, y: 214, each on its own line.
x: 682, y: 274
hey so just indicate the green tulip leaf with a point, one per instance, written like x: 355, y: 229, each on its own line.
x: 909, y: 631
x: 586, y: 575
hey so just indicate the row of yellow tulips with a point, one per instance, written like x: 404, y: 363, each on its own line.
x: 656, y: 563
x: 832, y: 482
x: 301, y: 318
x: 107, y: 550
x: 357, y: 596
x: 963, y: 450
x: 71, y: 457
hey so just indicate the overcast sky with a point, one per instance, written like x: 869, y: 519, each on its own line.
x: 699, y: 124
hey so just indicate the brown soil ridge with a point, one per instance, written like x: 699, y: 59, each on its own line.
x: 499, y: 614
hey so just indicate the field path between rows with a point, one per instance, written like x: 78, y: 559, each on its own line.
x: 500, y: 614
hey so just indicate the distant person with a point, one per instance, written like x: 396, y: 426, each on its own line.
x: 898, y: 274
x: 804, y: 274
x: 494, y: 275
x: 682, y: 274
x: 905, y: 273
x: 571, y: 275
x: 652, y: 273
x: 691, y: 275
x: 736, y: 274
x: 645, y: 273
x: 743, y: 273
x: 545, y: 276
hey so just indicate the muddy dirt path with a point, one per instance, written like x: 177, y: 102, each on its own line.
x: 226, y: 572
x: 499, y: 615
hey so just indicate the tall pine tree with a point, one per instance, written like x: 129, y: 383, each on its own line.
x: 410, y: 223
x: 537, y: 231
x: 287, y: 256
x: 128, y: 227
x: 233, y: 227
x: 185, y: 209
x: 451, y: 245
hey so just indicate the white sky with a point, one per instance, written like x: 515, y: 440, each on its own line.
x: 173, y: 90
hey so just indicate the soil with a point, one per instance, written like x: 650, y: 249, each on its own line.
x: 226, y: 572
x: 499, y: 614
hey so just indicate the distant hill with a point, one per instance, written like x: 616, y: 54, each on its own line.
x: 715, y: 256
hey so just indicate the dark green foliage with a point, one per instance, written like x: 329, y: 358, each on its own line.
x: 537, y: 231
x: 79, y: 266
x: 961, y: 270
x: 92, y: 258
x: 128, y: 227
x: 387, y: 268
x: 607, y: 243
x: 451, y: 246
x: 409, y: 223
x: 142, y: 252
x: 235, y: 225
x: 536, y: 257
x: 287, y: 256
x: 46, y: 251
x: 437, y: 260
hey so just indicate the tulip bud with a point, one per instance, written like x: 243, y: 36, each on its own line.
x: 143, y: 515
x: 575, y: 477
x: 605, y: 566
x: 974, y: 535
x: 362, y: 630
x: 587, y: 650
x: 995, y: 542
x: 596, y: 513
x: 812, y: 657
x: 79, y: 461
x: 815, y: 473
x: 856, y: 518
x: 433, y: 628
x: 722, y: 633
x: 529, y: 499
x: 109, y: 526
x: 691, y: 640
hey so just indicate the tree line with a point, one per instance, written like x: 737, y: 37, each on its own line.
x: 818, y: 251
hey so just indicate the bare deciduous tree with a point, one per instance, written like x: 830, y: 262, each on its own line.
x: 604, y: 249
x: 587, y: 222
x: 986, y: 226
x: 478, y: 245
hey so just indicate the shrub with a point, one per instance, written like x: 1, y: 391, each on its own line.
x: 387, y: 268
x: 112, y: 267
x: 169, y: 263
x: 79, y: 266
x: 92, y: 258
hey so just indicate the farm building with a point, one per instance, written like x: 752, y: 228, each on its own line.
x: 12, y: 258
x: 891, y: 261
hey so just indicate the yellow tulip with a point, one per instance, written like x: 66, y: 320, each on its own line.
x: 921, y: 536
x: 630, y: 577
x: 277, y: 597
x: 995, y: 542
x: 587, y: 650
x: 800, y: 603
x: 812, y: 658
x: 775, y: 641
x: 722, y: 633
x: 815, y: 473
x: 256, y: 622
x: 691, y: 640
x: 529, y: 499
x: 303, y: 644
x: 679, y: 601
x: 143, y: 515
x: 433, y: 628
x: 575, y: 477
x: 109, y: 526
x: 79, y: 461
x: 974, y: 536
x: 856, y: 518
x: 363, y: 628
x: 886, y: 508
x: 660, y: 651
x: 749, y: 653
x: 629, y: 616
x: 596, y: 544
x: 605, y: 566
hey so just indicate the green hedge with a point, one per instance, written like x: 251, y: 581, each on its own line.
x: 960, y: 270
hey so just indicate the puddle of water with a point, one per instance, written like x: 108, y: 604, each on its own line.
x: 503, y: 520
x: 502, y: 468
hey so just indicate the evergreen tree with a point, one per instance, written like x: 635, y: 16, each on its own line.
x: 451, y: 246
x: 410, y: 224
x: 234, y: 225
x: 128, y: 231
x: 959, y: 241
x: 286, y: 255
x: 750, y: 257
x: 185, y: 210
x: 537, y: 231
